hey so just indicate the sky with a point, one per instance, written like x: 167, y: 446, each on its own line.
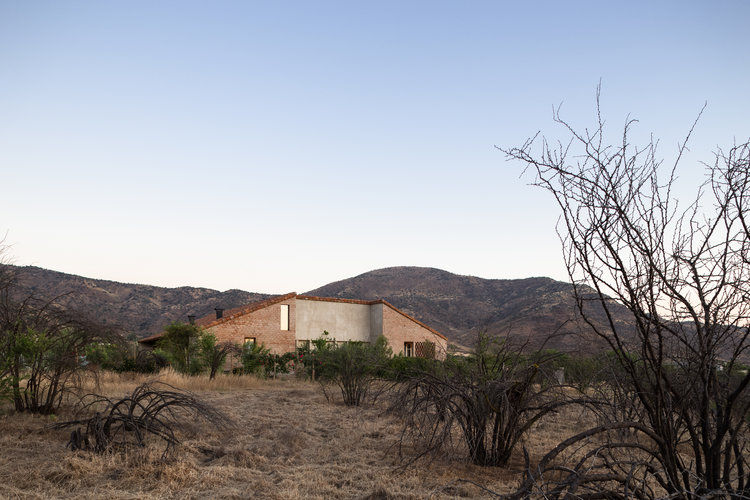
x: 279, y: 146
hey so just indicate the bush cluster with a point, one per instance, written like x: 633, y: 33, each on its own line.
x: 192, y: 350
x: 261, y: 362
x: 124, y: 357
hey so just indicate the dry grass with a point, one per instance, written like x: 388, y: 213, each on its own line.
x: 114, y: 383
x: 290, y: 443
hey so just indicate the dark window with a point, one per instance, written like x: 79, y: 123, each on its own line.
x: 408, y: 349
x: 303, y: 344
x: 424, y: 350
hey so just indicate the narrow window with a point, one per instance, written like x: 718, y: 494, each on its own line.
x: 284, y: 317
x: 408, y: 349
x: 249, y: 341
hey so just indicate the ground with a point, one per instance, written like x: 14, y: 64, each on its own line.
x: 290, y: 442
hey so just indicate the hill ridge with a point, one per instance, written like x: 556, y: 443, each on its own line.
x: 457, y: 306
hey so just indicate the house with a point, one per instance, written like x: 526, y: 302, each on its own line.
x: 285, y: 322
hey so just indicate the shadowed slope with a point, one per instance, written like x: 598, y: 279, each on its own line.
x: 460, y: 306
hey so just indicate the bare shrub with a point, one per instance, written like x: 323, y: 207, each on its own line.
x: 683, y: 274
x: 153, y: 409
x: 491, y: 399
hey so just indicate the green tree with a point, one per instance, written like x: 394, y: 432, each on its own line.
x: 181, y: 345
x: 256, y: 359
x: 41, y: 353
x: 40, y: 346
x: 213, y: 354
x: 124, y: 357
x: 353, y: 367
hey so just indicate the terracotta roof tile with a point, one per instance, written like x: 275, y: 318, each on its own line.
x: 210, y: 319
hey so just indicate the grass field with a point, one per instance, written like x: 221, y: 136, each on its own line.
x: 289, y: 443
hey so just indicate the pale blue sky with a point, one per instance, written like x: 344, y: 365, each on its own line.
x: 278, y: 146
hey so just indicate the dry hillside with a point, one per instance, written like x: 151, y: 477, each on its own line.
x: 457, y: 306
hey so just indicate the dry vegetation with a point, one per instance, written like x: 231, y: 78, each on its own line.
x: 290, y: 443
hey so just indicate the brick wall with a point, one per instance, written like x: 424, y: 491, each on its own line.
x: 263, y: 324
x: 398, y: 329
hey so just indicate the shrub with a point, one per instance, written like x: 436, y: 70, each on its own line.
x: 43, y: 348
x: 353, y: 366
x: 491, y: 399
x: 41, y: 345
x: 192, y: 350
x: 402, y: 368
x: 124, y: 357
x: 310, y: 356
x: 180, y: 345
x: 153, y: 409
x: 256, y: 359
x: 280, y: 362
x: 214, y: 354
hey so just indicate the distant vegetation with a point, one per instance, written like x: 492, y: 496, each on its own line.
x: 456, y: 306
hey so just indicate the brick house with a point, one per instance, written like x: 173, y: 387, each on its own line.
x: 285, y: 322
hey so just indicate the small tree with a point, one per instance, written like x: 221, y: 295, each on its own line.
x: 310, y: 356
x: 213, y: 353
x: 42, y: 351
x: 352, y: 367
x: 181, y: 345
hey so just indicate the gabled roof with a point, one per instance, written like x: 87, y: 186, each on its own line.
x: 210, y: 320
x: 334, y: 299
x: 402, y: 313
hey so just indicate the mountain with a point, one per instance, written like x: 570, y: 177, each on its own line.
x: 462, y: 306
x: 139, y: 309
x: 457, y: 306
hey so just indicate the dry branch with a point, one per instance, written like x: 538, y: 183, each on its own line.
x: 683, y: 273
x: 154, y: 409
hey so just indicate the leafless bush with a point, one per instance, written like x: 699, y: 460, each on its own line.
x: 490, y: 400
x: 683, y: 275
x: 153, y: 409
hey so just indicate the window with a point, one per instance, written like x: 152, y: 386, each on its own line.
x: 424, y: 349
x: 303, y: 344
x: 284, y: 317
x: 408, y: 349
x: 249, y: 341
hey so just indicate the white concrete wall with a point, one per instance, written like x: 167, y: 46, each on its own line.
x: 343, y: 321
